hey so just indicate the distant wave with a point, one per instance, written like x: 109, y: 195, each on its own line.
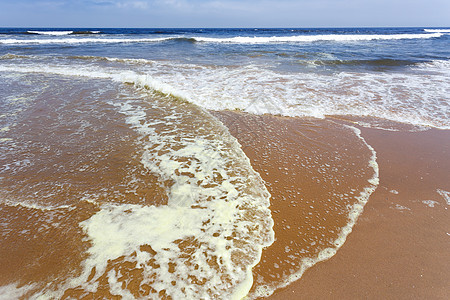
x: 87, y: 32
x: 316, y: 38
x: 50, y: 32
x: 61, y: 32
x: 234, y: 40
x: 94, y: 40
x: 437, y: 30
x: 80, y: 41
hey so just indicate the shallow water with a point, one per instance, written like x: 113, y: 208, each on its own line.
x: 139, y: 184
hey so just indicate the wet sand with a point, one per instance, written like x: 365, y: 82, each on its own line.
x: 399, y: 246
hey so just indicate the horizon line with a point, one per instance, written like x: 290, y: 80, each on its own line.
x: 244, y: 27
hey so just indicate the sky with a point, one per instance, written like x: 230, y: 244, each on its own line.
x: 224, y: 13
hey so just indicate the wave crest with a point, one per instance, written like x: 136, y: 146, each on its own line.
x: 50, y: 32
x: 231, y: 40
x: 317, y: 38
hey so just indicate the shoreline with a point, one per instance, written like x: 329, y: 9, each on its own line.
x: 396, y: 249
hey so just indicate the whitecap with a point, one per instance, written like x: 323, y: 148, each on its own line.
x: 50, y: 32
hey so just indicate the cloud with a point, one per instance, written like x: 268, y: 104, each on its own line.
x: 102, y: 3
x: 133, y: 4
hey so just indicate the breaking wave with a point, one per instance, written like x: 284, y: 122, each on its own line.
x: 437, y: 30
x: 232, y: 40
x: 417, y: 97
x: 61, y: 32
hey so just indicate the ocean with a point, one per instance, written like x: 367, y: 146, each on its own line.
x: 131, y: 165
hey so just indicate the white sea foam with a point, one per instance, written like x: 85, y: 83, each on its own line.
x: 35, y: 206
x: 80, y: 40
x: 439, y: 67
x: 437, y: 30
x: 430, y: 203
x: 418, y: 97
x: 12, y: 291
x: 205, y: 241
x: 50, y: 32
x: 400, y: 207
x: 86, y: 32
x: 316, y: 38
x: 445, y: 195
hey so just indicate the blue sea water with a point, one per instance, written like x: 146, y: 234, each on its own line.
x: 371, y: 48
x: 111, y: 155
x: 325, y: 60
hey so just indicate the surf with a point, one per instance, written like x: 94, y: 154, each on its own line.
x: 358, y: 93
x: 188, y: 173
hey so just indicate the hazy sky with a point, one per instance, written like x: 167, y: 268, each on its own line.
x: 223, y: 13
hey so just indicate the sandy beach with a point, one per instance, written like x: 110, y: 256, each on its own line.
x: 399, y: 247
x: 224, y: 163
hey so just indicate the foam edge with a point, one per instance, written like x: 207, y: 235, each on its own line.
x: 355, y: 212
